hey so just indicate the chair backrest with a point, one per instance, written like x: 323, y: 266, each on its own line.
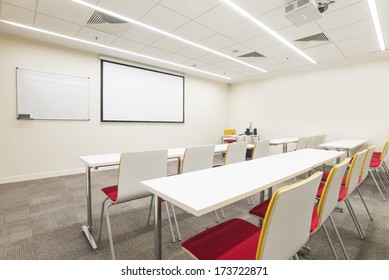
x: 301, y: 143
x: 323, y: 138
x: 366, y: 163
x: 261, y: 149
x: 229, y: 131
x: 139, y: 166
x: 197, y: 158
x: 288, y: 220
x: 313, y: 141
x: 354, y: 171
x: 330, y: 194
x: 236, y: 152
x: 384, y: 150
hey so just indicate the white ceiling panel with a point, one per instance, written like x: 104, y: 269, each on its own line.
x: 351, y: 30
x: 164, y: 18
x: 194, y: 31
x: 56, y: 25
x: 243, y: 31
x: 125, y: 44
x: 95, y: 36
x: 131, y: 9
x: 141, y: 35
x: 345, y: 16
x: 220, y: 18
x: 217, y: 42
x: 17, y: 14
x: 65, y: 10
x: 190, y: 8
x: 211, y: 23
x: 27, y: 4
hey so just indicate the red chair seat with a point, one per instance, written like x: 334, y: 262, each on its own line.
x: 314, y: 220
x: 375, y: 163
x: 377, y: 154
x: 320, y: 190
x: 229, y: 140
x: 235, y: 239
x: 111, y: 192
x: 342, y: 191
x: 325, y: 177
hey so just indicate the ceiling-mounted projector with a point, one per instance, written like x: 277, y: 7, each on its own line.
x: 303, y: 11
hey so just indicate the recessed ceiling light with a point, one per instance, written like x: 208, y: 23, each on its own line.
x: 376, y: 21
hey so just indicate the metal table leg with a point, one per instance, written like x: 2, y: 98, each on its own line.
x: 88, y: 228
x: 157, y: 228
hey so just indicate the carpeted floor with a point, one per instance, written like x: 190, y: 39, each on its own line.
x: 42, y: 219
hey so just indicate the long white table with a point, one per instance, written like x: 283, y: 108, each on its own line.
x: 347, y: 144
x: 206, y: 190
x: 107, y: 160
x: 284, y: 142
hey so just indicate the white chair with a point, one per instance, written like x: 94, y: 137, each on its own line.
x: 378, y: 165
x: 301, y: 143
x: 313, y: 142
x: 261, y: 149
x: 236, y: 152
x: 285, y: 229
x: 133, y: 168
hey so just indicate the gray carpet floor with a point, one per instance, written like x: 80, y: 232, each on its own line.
x: 42, y: 219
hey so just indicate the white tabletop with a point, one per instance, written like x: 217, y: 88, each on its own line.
x: 283, y: 140
x: 206, y: 190
x: 113, y: 159
x: 347, y: 143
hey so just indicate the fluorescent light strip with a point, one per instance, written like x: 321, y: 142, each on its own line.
x: 376, y: 22
x: 112, y: 48
x: 167, y: 34
x: 267, y: 29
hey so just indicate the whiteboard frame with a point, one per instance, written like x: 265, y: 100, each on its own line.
x: 29, y: 106
x: 142, y: 69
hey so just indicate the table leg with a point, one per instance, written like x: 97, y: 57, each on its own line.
x: 285, y: 147
x: 157, y: 228
x: 88, y: 228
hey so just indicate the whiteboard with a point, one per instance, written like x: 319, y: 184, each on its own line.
x: 134, y: 94
x: 51, y: 96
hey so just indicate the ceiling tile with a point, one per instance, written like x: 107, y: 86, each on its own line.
x: 323, y: 49
x: 220, y: 18
x: 164, y: 18
x: 351, y: 30
x: 155, y: 52
x: 259, y: 7
x: 217, y: 42
x: 345, y: 16
x: 236, y: 50
x: 129, y: 45
x: 274, y: 51
x: 261, y: 42
x: 95, y: 36
x: 193, y: 31
x: 227, y: 64
x: 366, y: 49
x: 190, y: 8
x: 169, y: 44
x: 65, y: 10
x: 243, y: 31
x: 356, y: 42
x: 292, y: 32
x: 211, y: 58
x: 383, y: 6
x: 328, y: 57
x: 131, y: 9
x: 27, y: 4
x: 141, y: 35
x: 17, y: 14
x: 275, y: 19
x: 269, y: 64
x: 192, y: 52
x: 340, y: 5
x: 56, y: 25
x: 385, y: 21
x: 176, y: 58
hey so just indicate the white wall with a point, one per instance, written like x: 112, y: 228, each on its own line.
x: 344, y: 102
x: 38, y: 149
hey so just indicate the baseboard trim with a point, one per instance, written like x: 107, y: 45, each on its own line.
x: 36, y: 176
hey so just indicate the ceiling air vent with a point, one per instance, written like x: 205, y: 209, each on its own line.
x: 252, y: 54
x: 320, y: 37
x: 100, y: 18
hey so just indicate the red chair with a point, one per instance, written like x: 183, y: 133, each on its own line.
x: 378, y: 165
x: 285, y: 230
x: 329, y: 198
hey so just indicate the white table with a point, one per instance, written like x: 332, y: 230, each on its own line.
x: 206, y: 190
x: 284, y: 142
x: 347, y: 144
x: 106, y: 160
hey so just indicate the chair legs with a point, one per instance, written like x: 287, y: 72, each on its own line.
x: 376, y: 183
x: 339, y: 238
x: 330, y: 242
x: 364, y: 203
x: 105, y: 207
x: 355, y: 219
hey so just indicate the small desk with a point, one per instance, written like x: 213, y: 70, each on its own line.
x: 284, y: 142
x: 203, y: 191
x: 106, y: 160
x: 347, y: 144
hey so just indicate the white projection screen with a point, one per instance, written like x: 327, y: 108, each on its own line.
x: 134, y: 94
